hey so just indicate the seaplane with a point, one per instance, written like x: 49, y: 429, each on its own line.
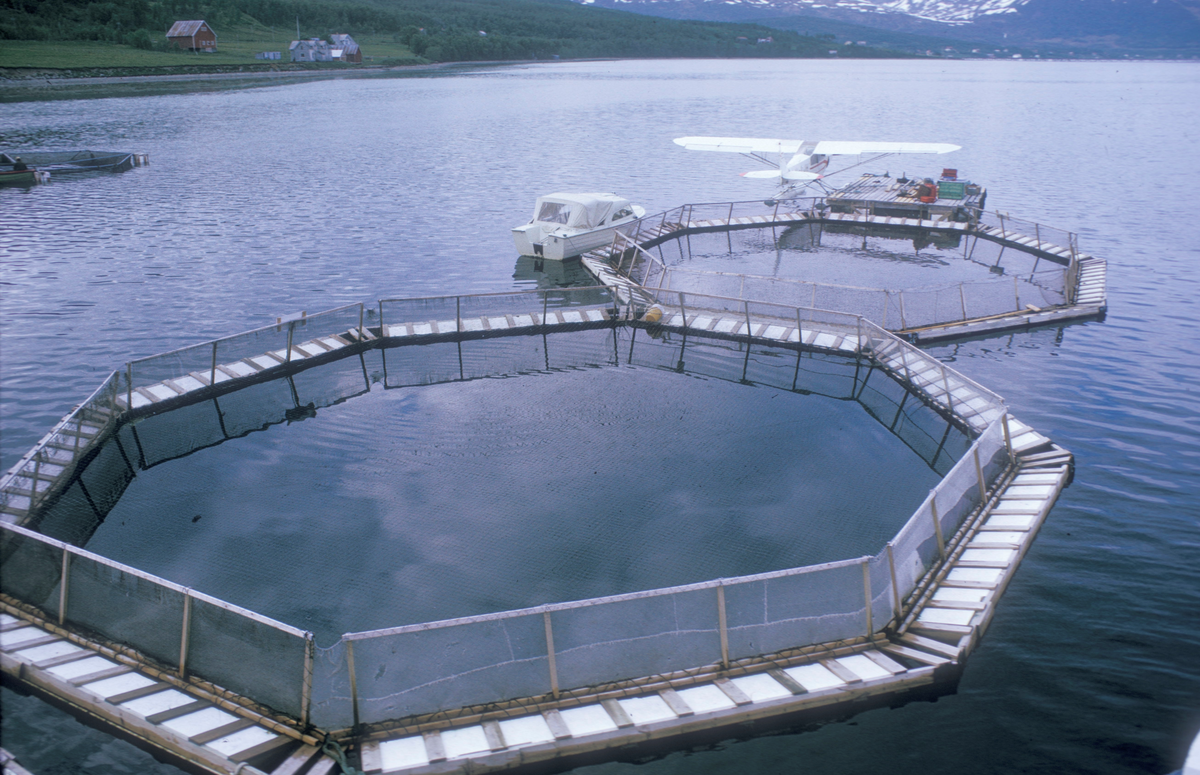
x: 796, y: 164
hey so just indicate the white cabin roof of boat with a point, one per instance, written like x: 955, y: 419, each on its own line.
x: 579, y: 211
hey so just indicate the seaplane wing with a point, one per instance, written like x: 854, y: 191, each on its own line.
x: 739, y: 144
x: 841, y: 148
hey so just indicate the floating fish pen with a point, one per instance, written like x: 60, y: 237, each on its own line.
x: 62, y: 162
x: 1027, y: 274
x: 221, y: 688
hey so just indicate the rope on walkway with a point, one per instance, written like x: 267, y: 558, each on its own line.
x: 334, y: 751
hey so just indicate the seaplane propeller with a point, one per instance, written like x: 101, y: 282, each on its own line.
x: 808, y: 160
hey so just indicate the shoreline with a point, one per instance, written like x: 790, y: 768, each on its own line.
x: 40, y: 84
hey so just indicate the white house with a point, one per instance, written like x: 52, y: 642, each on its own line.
x: 311, y: 50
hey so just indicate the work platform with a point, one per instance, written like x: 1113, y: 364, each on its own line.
x: 900, y: 627
x: 888, y: 196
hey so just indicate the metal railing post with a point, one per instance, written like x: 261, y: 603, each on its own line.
x: 33, y: 485
x: 946, y: 385
x: 307, y: 679
x: 64, y: 585
x: 212, y: 374
x: 962, y: 296
x: 866, y: 571
x: 903, y: 323
x: 550, y: 654
x: 937, y: 523
x: 382, y: 327
x: 1007, y: 437
x: 78, y: 432
x: 458, y: 314
x: 1017, y: 293
x: 361, y: 308
x: 729, y: 220
x: 979, y: 473
x: 683, y: 311
x: 291, y: 330
x: 186, y: 634
x: 129, y: 386
x: 746, y: 310
x: 722, y: 623
x: 353, y: 680
x: 895, y: 584
x: 545, y: 305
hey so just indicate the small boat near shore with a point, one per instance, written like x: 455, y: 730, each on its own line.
x: 565, y: 225
x: 26, y: 177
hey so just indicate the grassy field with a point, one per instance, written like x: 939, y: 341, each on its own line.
x: 235, y: 47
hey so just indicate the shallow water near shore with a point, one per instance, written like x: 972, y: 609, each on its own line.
x: 269, y: 201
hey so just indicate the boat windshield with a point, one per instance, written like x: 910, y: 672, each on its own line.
x: 554, y: 212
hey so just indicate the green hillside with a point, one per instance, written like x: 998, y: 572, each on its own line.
x: 131, y: 33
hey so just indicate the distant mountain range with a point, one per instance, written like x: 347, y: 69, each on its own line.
x: 1104, y: 27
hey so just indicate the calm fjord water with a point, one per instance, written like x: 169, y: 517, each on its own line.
x: 267, y: 201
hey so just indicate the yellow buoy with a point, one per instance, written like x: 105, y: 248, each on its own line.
x: 653, y: 315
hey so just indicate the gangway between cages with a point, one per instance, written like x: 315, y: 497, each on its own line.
x: 227, y: 690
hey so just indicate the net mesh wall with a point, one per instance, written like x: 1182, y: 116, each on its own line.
x: 425, y: 670
x: 71, y: 516
x: 636, y: 635
x: 422, y: 364
x: 331, y: 706
x: 778, y: 611
x: 126, y: 606
x: 247, y: 655
x: 200, y: 359
x: 30, y: 567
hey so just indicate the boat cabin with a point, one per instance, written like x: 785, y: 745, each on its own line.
x: 581, y: 211
x: 566, y: 225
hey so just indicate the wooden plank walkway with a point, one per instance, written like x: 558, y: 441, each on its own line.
x: 191, y: 725
x: 959, y: 603
x: 598, y: 723
x: 270, y: 361
x: 52, y: 461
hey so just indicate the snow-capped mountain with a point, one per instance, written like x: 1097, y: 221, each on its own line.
x: 1171, y: 26
x: 946, y: 11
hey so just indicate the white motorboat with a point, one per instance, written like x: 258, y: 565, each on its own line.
x: 566, y: 225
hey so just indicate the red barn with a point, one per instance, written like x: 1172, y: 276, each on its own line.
x: 193, y: 36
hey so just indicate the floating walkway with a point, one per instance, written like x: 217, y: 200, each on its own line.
x: 909, y: 616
